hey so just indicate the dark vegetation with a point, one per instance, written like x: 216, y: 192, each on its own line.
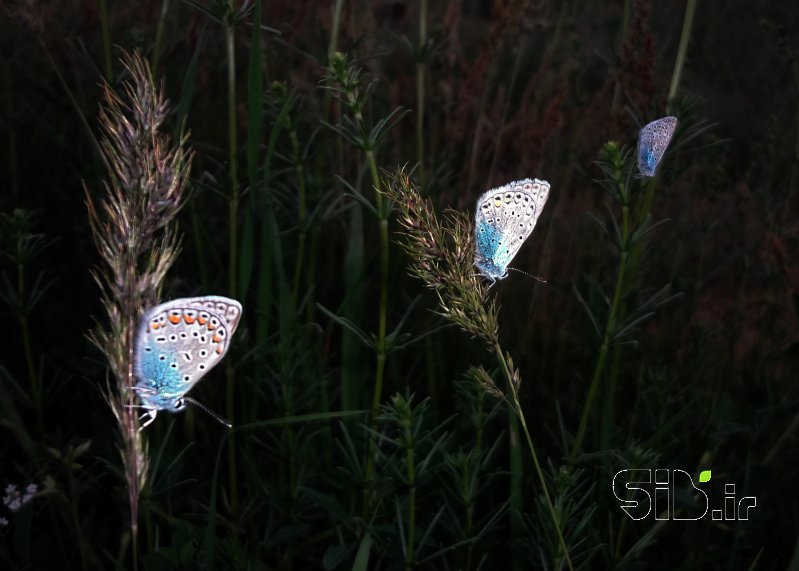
x: 320, y: 162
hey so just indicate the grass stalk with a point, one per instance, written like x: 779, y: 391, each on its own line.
x: 106, y: 33
x: 301, y: 213
x: 333, y: 46
x: 377, y: 395
x: 682, y: 49
x: 516, y: 407
x: 421, y: 69
x: 233, y: 210
x: 159, y: 37
x: 146, y: 180
x: 610, y: 328
x: 442, y: 257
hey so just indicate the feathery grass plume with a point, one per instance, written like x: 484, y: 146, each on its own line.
x: 442, y: 256
x: 145, y: 184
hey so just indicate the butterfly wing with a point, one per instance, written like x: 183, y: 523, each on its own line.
x: 178, y: 343
x: 505, y: 218
x: 652, y: 143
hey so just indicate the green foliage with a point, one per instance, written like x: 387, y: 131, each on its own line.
x: 390, y: 410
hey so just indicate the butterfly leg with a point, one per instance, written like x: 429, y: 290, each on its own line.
x: 151, y: 413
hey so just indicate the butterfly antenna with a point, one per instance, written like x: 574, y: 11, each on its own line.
x: 542, y: 280
x: 198, y: 404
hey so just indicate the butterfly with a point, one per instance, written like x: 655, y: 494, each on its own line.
x: 652, y: 143
x: 504, y: 219
x: 178, y: 342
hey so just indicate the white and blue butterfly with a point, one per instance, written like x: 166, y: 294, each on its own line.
x: 504, y: 219
x: 178, y: 342
x: 652, y: 143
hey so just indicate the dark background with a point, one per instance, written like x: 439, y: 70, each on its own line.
x: 513, y: 89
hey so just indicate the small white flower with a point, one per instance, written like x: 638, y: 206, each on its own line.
x: 3, y: 521
x: 31, y: 489
x: 10, y: 489
x: 14, y: 504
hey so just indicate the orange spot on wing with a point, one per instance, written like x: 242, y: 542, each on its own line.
x: 219, y: 350
x: 154, y: 326
x: 217, y: 339
x: 201, y: 320
x: 211, y: 326
x: 188, y: 319
x: 174, y: 319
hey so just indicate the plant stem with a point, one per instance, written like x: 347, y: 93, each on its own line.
x: 682, y: 50
x: 334, y: 31
x: 298, y: 166
x: 381, y: 329
x: 230, y: 44
x: 130, y: 423
x: 159, y: 37
x: 610, y: 328
x: 421, y: 67
x: 517, y: 408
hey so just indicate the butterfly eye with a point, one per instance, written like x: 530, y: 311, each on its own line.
x: 180, y: 404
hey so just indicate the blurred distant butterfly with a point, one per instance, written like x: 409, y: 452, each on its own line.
x: 177, y: 344
x: 652, y: 143
x: 505, y: 218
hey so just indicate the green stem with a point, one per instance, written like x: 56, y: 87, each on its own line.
x: 334, y: 30
x: 381, y: 329
x: 682, y: 50
x: 516, y: 480
x: 230, y: 44
x: 159, y: 38
x: 610, y: 328
x: 420, y: 73
x: 302, y: 214
x: 517, y: 408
